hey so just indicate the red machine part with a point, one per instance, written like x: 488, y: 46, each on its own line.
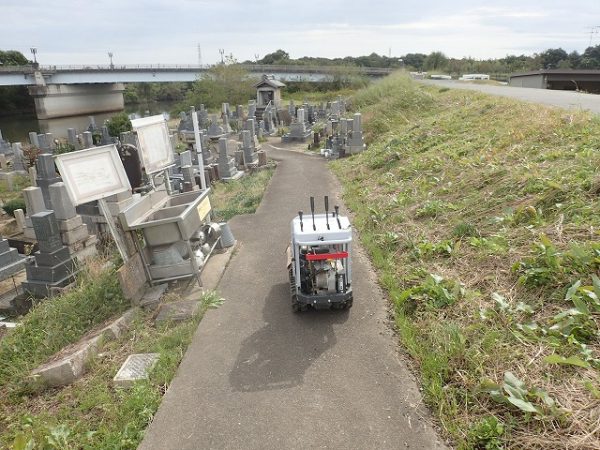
x: 323, y: 256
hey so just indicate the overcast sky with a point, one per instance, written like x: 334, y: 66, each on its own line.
x: 169, y: 31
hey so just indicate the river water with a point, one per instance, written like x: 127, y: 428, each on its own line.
x: 16, y: 129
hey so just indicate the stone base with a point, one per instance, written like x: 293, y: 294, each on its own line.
x: 29, y: 233
x: 42, y: 289
x: 78, y: 234
x: 50, y: 274
x: 237, y: 176
x: 70, y: 224
x: 12, y: 268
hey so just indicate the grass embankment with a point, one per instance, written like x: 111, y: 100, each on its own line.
x: 92, y: 412
x: 240, y: 197
x: 481, y: 216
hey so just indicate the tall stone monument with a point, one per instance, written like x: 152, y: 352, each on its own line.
x: 52, y: 267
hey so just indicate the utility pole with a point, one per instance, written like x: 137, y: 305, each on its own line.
x: 256, y: 56
x: 110, y: 55
x: 199, y: 56
x: 222, y: 52
x: 34, y: 52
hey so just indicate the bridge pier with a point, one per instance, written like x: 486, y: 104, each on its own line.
x: 63, y: 100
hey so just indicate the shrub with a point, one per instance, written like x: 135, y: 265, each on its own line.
x: 11, y: 205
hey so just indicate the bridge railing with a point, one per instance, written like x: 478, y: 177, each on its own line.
x: 184, y: 67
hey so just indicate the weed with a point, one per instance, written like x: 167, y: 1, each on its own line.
x: 465, y: 229
x: 486, y: 434
x: 435, y: 292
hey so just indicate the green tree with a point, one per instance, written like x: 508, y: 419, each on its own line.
x: 277, y: 57
x: 13, y: 58
x: 435, y: 61
x: 591, y: 58
x: 14, y: 99
x: 552, y: 57
x: 414, y: 60
x: 228, y: 82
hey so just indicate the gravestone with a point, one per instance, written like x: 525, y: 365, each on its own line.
x: 251, y: 126
x: 5, y: 147
x: 34, y: 203
x: 33, y: 139
x: 239, y: 112
x: 299, y: 132
x: 207, y: 155
x: 227, y: 167
x: 50, y: 142
x: 130, y: 158
x: 73, y: 139
x: 189, y: 180
x: 251, y: 109
x: 52, y: 266
x: 88, y: 140
x: 10, y: 260
x: 185, y: 158
x: 214, y: 130
x: 44, y: 147
x: 106, y: 138
x: 356, y: 142
x: 202, y: 117
x: 46, y: 175
x: 250, y: 157
x: 20, y: 219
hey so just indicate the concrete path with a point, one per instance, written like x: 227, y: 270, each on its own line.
x: 258, y: 376
x: 562, y: 99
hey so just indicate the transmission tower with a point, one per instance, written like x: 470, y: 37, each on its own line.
x: 593, y: 31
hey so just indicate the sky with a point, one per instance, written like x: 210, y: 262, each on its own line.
x: 172, y: 31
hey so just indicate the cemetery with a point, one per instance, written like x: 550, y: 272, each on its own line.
x: 138, y: 208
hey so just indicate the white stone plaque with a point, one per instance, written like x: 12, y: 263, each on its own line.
x: 155, y: 145
x: 92, y: 174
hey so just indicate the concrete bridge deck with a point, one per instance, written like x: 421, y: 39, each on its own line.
x: 93, y: 74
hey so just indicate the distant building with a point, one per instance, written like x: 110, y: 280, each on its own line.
x: 474, y: 76
x: 440, y: 77
x: 559, y: 79
x: 418, y: 75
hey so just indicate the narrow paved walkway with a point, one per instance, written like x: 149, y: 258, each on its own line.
x: 258, y: 376
x: 562, y: 99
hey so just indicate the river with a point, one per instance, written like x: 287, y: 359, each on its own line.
x: 16, y: 129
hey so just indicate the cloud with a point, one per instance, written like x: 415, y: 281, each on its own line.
x: 166, y: 31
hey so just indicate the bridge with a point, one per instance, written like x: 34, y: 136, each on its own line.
x: 62, y: 91
x: 160, y: 73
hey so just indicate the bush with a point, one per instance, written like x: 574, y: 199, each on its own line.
x: 119, y: 123
x: 11, y: 205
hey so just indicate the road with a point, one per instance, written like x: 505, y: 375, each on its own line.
x: 562, y: 99
x: 258, y: 376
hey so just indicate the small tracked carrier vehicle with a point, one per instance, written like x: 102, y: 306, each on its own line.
x: 319, y: 260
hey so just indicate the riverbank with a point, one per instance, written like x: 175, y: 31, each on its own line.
x: 480, y: 214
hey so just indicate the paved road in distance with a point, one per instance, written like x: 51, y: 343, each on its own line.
x: 562, y: 99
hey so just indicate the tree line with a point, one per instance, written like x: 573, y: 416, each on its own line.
x: 554, y: 58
